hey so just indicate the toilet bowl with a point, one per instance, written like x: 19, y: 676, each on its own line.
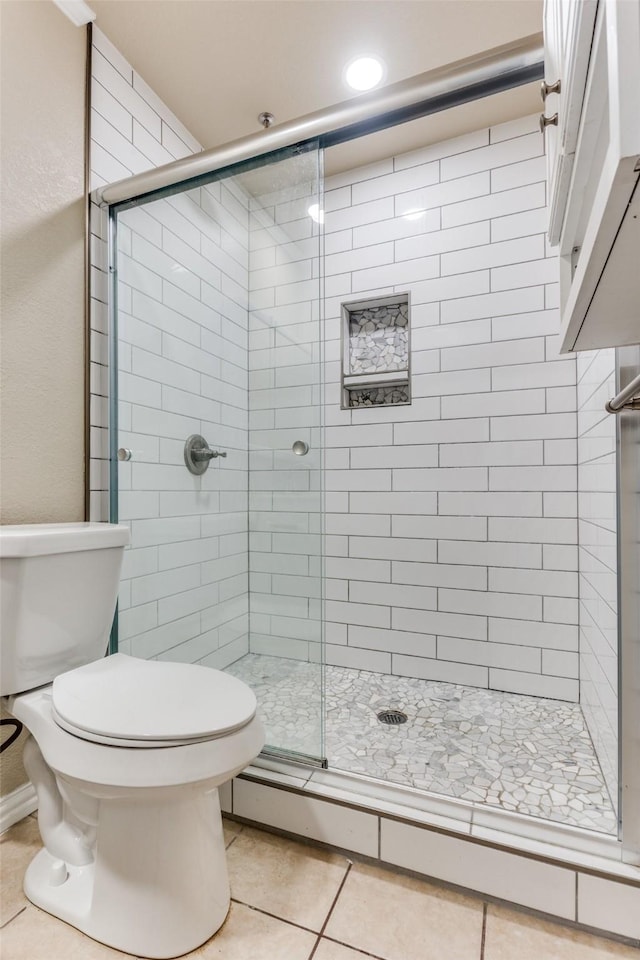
x: 126, y: 756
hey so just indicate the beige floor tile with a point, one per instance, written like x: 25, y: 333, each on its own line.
x: 328, y: 950
x: 288, y: 879
x: 35, y: 935
x: 231, y: 830
x: 18, y: 847
x: 398, y: 918
x: 511, y: 934
x: 250, y: 935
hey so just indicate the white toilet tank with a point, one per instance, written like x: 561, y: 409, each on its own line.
x: 58, y: 591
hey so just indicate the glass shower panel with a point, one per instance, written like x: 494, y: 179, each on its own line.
x: 218, y: 283
x: 285, y: 492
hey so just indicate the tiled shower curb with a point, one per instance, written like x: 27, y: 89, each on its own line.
x: 562, y: 872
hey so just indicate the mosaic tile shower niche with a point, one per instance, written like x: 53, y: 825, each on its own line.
x: 376, y: 352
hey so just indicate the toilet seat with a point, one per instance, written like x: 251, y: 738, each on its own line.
x: 129, y: 702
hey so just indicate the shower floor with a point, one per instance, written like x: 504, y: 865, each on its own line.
x: 523, y: 754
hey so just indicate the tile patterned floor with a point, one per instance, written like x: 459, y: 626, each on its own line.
x: 524, y: 754
x: 291, y: 901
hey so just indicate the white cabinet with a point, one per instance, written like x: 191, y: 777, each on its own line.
x: 593, y: 48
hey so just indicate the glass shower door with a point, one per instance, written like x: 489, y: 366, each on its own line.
x: 217, y: 327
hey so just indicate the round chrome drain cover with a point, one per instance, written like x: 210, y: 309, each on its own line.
x: 392, y: 717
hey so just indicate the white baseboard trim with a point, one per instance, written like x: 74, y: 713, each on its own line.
x: 16, y: 805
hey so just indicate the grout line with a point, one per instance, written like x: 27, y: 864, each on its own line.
x: 331, y: 909
x: 274, y: 916
x: 349, y: 946
x: 11, y: 919
x: 484, y: 929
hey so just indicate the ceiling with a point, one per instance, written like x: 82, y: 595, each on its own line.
x: 217, y: 64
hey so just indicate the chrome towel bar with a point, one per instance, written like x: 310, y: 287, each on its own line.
x: 627, y: 399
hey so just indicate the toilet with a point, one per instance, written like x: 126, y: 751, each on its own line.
x: 126, y: 755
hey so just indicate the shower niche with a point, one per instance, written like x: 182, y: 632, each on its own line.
x: 376, y: 352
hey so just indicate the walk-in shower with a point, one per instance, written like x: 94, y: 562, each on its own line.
x: 413, y: 503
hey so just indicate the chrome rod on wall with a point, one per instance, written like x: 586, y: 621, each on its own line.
x: 627, y: 399
x: 475, y: 77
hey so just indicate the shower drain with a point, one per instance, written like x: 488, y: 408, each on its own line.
x: 392, y: 717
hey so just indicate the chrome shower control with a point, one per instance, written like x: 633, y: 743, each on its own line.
x: 124, y: 453
x: 198, y: 454
x: 300, y: 448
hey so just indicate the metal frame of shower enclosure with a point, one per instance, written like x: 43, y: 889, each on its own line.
x: 474, y: 78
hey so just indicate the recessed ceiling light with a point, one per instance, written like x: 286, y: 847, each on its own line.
x: 364, y: 73
x: 316, y: 213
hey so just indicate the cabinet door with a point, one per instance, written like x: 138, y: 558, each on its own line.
x: 568, y: 29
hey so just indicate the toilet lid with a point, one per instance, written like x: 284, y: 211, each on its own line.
x: 150, y: 702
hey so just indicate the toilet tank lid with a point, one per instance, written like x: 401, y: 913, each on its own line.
x: 40, y: 539
x: 128, y: 699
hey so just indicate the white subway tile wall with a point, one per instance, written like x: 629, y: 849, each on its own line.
x: 284, y: 407
x: 598, y: 558
x: 452, y: 523
x: 183, y: 368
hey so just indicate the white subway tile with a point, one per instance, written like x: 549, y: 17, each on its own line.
x: 506, y: 403
x: 394, y: 456
x: 532, y: 478
x: 358, y: 524
x: 543, y: 582
x: 307, y: 816
x: 519, y: 174
x: 490, y: 553
x: 449, y: 528
x: 393, y: 594
x: 400, y: 181
x: 534, y: 685
x: 494, y: 453
x: 491, y: 604
x: 434, y: 622
x: 394, y: 641
x: 393, y: 548
x: 365, y: 615
x: 458, y: 478
x: 542, y: 427
x: 608, y: 905
x: 440, y: 431
x: 561, y: 610
x: 491, y: 304
x: 358, y: 569
x: 494, y: 355
x: 426, y: 198
x: 439, y: 575
x: 492, y: 205
x: 491, y: 504
x: 441, y: 670
x: 550, y: 636
x: 492, y: 157
x: 534, y: 530
x: 399, y: 502
x: 523, y: 224
x: 495, y: 255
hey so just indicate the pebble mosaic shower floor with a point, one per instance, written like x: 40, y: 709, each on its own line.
x: 524, y: 754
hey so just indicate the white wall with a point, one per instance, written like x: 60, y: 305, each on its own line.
x: 598, y: 558
x: 42, y: 88
x: 451, y: 523
x: 182, y: 354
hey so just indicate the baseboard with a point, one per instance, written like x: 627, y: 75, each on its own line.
x: 16, y: 805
